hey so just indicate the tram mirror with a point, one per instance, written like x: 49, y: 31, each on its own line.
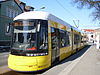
x: 38, y: 27
x: 8, y: 28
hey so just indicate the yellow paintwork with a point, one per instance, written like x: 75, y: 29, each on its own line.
x: 49, y: 38
x: 65, y: 52
x: 35, y: 63
x: 62, y: 27
x: 53, y: 24
x: 24, y: 63
x: 75, y: 46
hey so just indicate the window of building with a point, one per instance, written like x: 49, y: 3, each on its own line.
x: 11, y: 12
x: 7, y: 11
x: 91, y: 36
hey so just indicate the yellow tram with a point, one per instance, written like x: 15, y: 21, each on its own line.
x: 39, y: 40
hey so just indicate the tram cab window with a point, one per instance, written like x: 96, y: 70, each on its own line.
x: 30, y: 38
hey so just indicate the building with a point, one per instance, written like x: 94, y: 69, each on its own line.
x: 96, y: 34
x: 8, y: 10
x: 24, y: 7
x: 28, y: 8
x: 90, y: 35
x: 21, y: 4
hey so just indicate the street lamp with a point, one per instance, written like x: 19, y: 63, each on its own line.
x: 40, y: 8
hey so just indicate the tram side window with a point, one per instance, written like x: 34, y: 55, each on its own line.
x: 63, y: 39
x: 83, y: 39
x: 54, y: 38
x: 43, y: 36
x: 76, y: 38
x: 67, y: 38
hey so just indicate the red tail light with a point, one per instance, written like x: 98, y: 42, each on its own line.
x: 33, y: 48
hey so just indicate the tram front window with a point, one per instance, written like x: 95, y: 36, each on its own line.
x: 30, y: 38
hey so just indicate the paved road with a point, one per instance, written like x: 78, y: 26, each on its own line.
x: 3, y: 58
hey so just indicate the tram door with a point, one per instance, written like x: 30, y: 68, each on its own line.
x: 55, y: 44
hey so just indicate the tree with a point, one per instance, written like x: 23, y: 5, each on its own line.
x: 90, y: 4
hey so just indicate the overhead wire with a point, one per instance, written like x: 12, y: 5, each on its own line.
x: 68, y: 12
x: 65, y: 9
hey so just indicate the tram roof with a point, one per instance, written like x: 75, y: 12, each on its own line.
x: 42, y: 15
x: 33, y: 15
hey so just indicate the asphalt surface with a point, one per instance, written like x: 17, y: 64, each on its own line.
x: 3, y: 58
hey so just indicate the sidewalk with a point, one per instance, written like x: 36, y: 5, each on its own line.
x: 89, y: 64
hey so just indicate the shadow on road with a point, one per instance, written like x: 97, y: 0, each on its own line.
x: 76, y: 55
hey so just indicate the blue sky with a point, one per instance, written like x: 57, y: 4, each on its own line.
x: 67, y: 11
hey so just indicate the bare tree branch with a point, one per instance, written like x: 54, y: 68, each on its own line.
x: 90, y: 4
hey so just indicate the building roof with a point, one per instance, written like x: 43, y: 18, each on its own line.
x: 97, y: 29
x: 1, y: 1
x: 88, y: 30
x: 18, y: 1
x: 29, y: 8
x: 26, y: 8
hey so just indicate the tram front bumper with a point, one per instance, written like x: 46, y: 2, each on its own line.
x: 22, y: 63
